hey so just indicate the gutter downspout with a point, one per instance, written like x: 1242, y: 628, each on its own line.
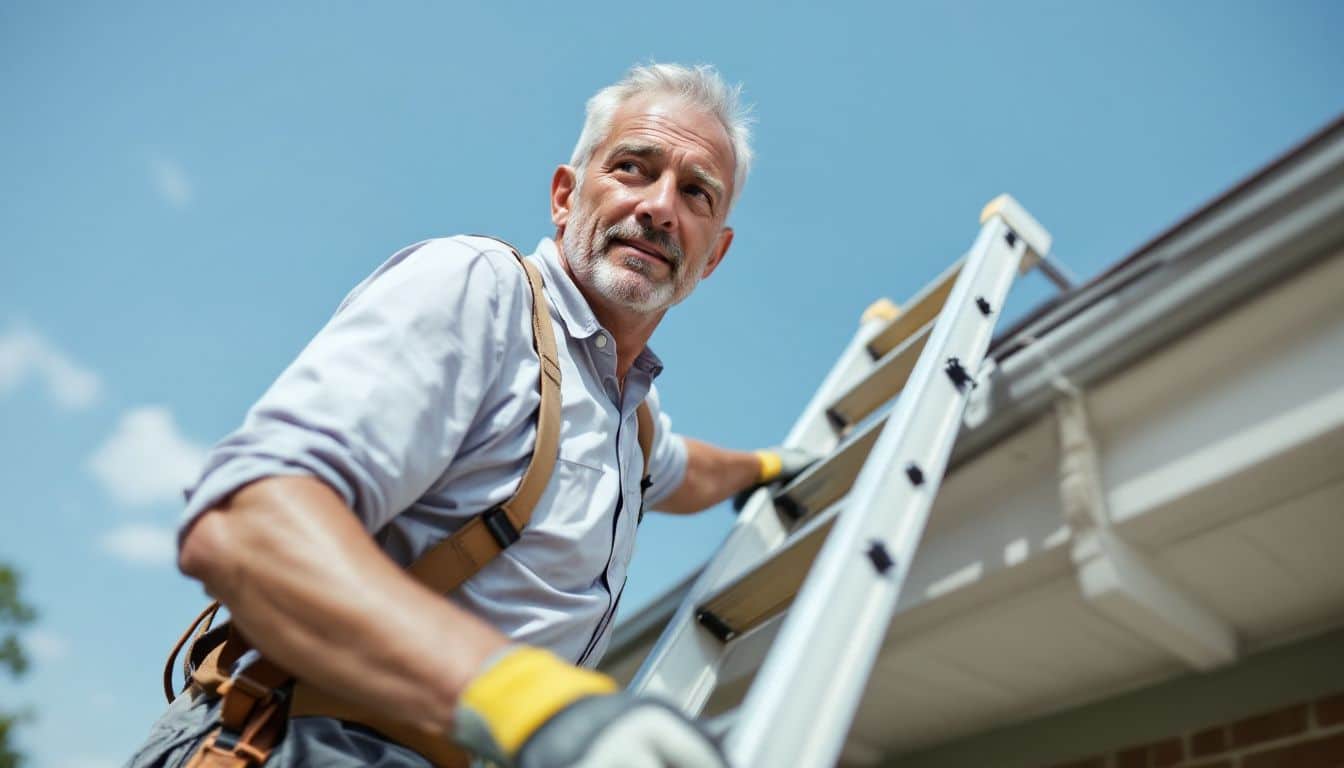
x: 1114, y: 577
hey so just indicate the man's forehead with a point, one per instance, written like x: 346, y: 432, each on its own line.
x: 669, y: 122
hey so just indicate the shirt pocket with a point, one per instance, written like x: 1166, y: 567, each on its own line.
x: 569, y: 541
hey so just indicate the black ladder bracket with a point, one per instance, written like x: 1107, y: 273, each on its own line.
x: 880, y: 557
x: 915, y: 474
x: 838, y: 423
x: 716, y: 626
x: 790, y: 509
x: 961, y: 378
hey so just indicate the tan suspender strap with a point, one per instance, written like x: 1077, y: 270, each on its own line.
x: 538, y: 474
x: 457, y: 558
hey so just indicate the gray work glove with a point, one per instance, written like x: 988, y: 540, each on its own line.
x: 531, y: 709
x: 778, y: 465
x: 620, y: 731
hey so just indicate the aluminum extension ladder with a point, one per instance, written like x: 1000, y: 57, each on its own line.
x: 884, y: 472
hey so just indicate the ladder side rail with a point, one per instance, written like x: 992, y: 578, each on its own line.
x: 799, y: 709
x: 682, y: 666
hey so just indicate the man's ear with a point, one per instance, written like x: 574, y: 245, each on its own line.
x: 562, y: 190
x: 720, y: 249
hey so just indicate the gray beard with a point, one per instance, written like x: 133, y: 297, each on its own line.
x: 613, y: 283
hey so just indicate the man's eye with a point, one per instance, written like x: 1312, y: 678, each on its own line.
x: 700, y: 192
x: 629, y: 166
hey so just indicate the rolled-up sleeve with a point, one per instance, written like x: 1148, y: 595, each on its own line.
x: 378, y: 403
x: 667, y: 468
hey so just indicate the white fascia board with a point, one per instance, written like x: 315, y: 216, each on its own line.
x: 1309, y: 424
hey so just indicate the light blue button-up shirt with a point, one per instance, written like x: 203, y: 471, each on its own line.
x: 417, y: 404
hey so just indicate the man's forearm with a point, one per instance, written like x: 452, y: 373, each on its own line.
x: 712, y: 475
x: 310, y: 589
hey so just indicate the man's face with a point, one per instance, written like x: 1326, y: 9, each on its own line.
x: 646, y: 223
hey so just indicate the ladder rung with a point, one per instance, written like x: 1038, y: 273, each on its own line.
x: 885, y: 381
x: 766, y: 590
x: 917, y: 313
x: 830, y: 479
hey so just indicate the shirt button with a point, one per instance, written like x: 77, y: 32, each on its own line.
x: 601, y: 341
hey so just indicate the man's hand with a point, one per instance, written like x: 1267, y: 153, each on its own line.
x: 529, y: 709
x: 778, y: 465
x: 714, y: 474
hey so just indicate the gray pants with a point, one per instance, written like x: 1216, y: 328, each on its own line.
x: 309, y: 741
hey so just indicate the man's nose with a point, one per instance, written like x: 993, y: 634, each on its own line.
x: 657, y: 206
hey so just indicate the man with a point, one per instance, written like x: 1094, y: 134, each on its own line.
x: 415, y: 409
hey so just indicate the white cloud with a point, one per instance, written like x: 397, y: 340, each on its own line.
x: 45, y: 646
x: 25, y: 353
x: 146, y: 460
x: 170, y: 181
x: 141, y: 544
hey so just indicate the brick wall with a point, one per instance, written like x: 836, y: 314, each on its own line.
x: 1305, y: 735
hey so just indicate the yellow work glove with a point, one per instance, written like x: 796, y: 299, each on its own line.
x: 530, y: 709
x: 778, y: 465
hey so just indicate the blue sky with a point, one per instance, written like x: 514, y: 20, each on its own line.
x: 186, y: 194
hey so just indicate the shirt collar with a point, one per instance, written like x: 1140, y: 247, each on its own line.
x: 569, y: 303
x: 563, y: 294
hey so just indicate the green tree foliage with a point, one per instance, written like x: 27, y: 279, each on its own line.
x: 14, y: 614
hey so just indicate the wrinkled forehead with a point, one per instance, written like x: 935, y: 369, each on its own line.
x: 669, y: 123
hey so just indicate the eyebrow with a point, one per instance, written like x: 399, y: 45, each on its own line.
x: 704, y: 177
x: 641, y: 149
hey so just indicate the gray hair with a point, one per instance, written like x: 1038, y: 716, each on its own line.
x: 701, y: 86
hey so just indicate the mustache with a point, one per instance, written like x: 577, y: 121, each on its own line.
x: 631, y: 230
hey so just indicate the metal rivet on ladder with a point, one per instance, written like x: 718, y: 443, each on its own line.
x: 957, y: 373
x: 1011, y: 237
x: 716, y: 626
x: 983, y: 305
x: 915, y: 474
x: 881, y: 559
